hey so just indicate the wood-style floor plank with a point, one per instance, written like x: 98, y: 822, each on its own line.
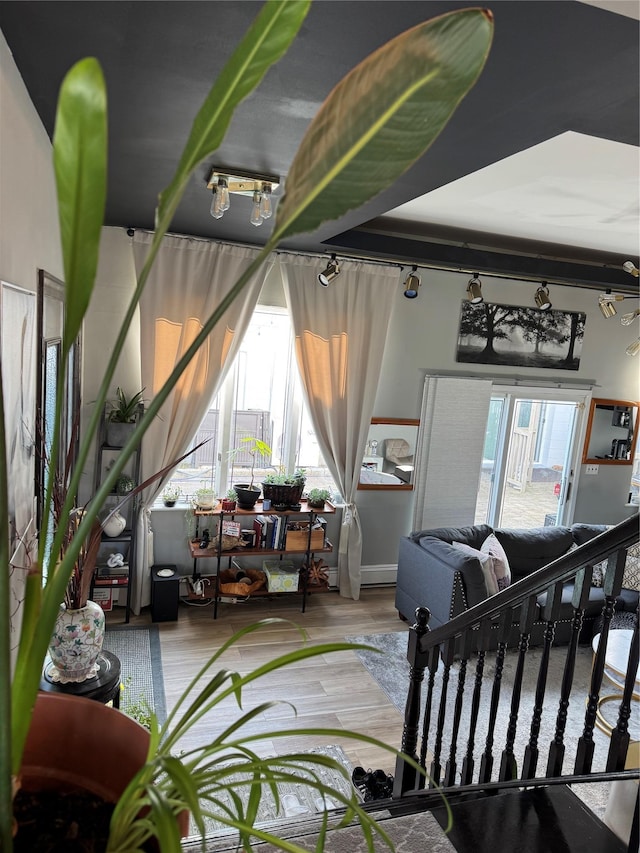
x: 331, y: 691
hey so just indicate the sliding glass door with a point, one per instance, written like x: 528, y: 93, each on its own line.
x: 528, y: 458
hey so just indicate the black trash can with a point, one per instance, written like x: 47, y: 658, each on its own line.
x: 165, y: 593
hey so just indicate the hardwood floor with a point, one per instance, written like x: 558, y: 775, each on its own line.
x: 331, y: 691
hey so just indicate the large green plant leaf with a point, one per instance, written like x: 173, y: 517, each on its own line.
x: 264, y: 43
x: 381, y: 117
x: 80, y: 163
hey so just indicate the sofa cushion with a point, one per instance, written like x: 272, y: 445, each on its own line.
x: 584, y: 532
x: 529, y: 550
x: 473, y: 535
x: 486, y: 565
x: 468, y: 566
x: 501, y: 568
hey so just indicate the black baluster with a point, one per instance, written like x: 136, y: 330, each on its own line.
x: 406, y: 776
x: 486, y: 762
x: 484, y: 633
x: 508, y: 767
x: 550, y: 615
x: 433, y: 663
x: 436, y: 767
x: 619, y: 745
x: 586, y: 746
x: 450, y: 768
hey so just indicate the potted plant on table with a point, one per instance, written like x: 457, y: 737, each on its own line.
x: 411, y: 87
x: 248, y: 493
x: 285, y: 490
x: 171, y: 495
x: 229, y: 501
x: 317, y: 498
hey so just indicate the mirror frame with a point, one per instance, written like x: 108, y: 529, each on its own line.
x: 377, y: 487
x: 595, y: 402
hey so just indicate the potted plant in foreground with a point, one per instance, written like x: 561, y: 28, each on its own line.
x: 317, y: 497
x: 285, y: 490
x: 408, y: 89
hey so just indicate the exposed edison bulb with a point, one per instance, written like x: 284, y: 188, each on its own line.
x: 223, y: 190
x: 215, y: 210
x: 627, y: 319
x: 265, y: 202
x: 630, y: 267
x: 256, y: 215
x: 634, y: 348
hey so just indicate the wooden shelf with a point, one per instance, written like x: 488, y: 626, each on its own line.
x: 212, y: 552
x: 258, y: 510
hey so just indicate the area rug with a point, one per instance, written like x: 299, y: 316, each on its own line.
x: 413, y: 833
x: 390, y: 670
x: 138, y: 649
x: 298, y: 803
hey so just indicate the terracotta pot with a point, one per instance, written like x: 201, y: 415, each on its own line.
x: 76, y: 642
x: 77, y: 743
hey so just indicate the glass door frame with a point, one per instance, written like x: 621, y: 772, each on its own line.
x: 509, y: 396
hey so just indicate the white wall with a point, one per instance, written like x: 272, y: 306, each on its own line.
x: 29, y: 232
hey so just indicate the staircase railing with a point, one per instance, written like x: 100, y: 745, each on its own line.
x: 454, y: 734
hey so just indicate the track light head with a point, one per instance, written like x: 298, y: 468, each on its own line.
x: 606, y: 303
x: 412, y: 284
x: 541, y: 297
x: 474, y: 290
x: 330, y: 272
x: 630, y: 267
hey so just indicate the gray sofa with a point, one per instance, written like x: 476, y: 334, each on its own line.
x: 434, y: 574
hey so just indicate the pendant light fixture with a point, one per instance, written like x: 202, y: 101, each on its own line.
x: 412, y: 284
x: 474, y: 290
x: 258, y: 187
x: 331, y: 271
x: 541, y: 297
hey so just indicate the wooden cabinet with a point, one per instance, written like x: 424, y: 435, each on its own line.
x: 303, y: 541
x: 117, y: 553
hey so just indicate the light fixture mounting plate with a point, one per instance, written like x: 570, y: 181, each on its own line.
x: 242, y: 184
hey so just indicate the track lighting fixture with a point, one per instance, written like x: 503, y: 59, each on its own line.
x: 634, y: 348
x: 606, y: 303
x: 258, y: 187
x: 474, y: 289
x: 330, y: 272
x: 630, y: 267
x: 541, y: 297
x: 412, y: 284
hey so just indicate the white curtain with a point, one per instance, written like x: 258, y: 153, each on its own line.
x: 187, y: 282
x: 340, y: 334
x: 453, y: 425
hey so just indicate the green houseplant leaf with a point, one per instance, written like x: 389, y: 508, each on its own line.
x: 381, y: 117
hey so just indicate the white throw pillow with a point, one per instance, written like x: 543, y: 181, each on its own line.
x: 501, y: 568
x: 486, y: 564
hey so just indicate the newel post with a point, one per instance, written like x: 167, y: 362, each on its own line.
x: 406, y: 776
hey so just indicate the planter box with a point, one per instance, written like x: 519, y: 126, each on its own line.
x: 118, y: 433
x: 297, y: 540
x: 281, y: 575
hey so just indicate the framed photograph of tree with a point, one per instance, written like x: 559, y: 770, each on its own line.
x: 520, y: 337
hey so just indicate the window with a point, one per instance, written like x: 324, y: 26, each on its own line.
x: 260, y: 397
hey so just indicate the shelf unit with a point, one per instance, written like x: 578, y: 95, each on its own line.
x: 215, y: 552
x: 114, y: 579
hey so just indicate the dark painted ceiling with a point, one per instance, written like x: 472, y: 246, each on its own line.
x: 554, y: 67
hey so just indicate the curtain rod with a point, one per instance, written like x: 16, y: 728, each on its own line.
x: 394, y: 262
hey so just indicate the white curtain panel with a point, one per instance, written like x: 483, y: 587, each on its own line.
x: 340, y: 334
x: 453, y: 424
x: 188, y: 281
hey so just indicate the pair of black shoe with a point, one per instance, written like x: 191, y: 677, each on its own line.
x: 372, y: 784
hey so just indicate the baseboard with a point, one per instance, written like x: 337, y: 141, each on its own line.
x: 370, y: 575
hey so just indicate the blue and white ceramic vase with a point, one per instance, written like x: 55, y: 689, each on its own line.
x: 76, y: 643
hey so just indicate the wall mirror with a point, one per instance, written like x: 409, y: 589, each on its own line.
x: 611, y: 432
x: 389, y: 455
